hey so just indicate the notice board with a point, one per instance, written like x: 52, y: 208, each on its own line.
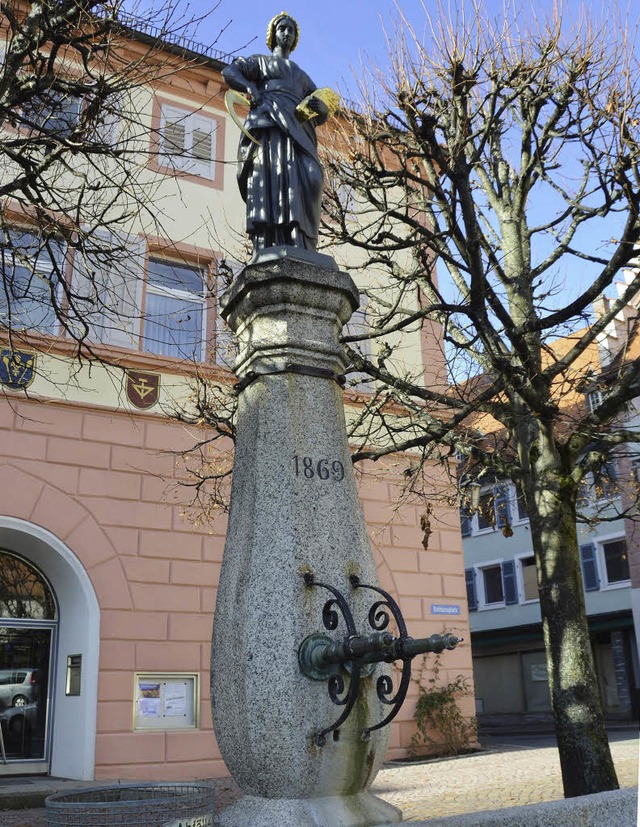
x: 165, y: 700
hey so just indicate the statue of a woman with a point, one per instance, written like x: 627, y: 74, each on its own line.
x: 279, y: 174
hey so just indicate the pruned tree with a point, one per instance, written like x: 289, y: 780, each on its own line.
x: 508, y: 153
x: 74, y: 185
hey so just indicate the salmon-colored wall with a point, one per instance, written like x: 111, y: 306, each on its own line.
x: 99, y: 480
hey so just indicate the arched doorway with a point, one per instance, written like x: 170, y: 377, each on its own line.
x: 28, y: 626
x: 73, y: 638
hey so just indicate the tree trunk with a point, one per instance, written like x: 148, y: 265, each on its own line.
x: 585, y: 757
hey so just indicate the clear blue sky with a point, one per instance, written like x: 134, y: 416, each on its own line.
x: 336, y: 35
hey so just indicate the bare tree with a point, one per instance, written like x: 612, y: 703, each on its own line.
x: 507, y: 152
x: 73, y: 190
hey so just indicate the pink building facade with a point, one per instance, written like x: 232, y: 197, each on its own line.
x: 88, y: 503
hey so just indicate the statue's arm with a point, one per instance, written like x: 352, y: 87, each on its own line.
x: 237, y: 79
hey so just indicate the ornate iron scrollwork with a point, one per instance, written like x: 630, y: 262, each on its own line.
x: 321, y: 657
x: 335, y: 681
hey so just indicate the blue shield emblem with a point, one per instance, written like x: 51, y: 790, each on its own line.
x: 17, y: 369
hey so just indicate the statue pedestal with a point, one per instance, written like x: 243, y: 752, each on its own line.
x: 294, y: 510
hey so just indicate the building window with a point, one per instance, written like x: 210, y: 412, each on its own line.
x: 32, y: 272
x: 616, y: 561
x: 486, y: 514
x: 599, y: 485
x: 492, y: 582
x: 187, y: 141
x: 592, y: 400
x: 523, y: 512
x: 358, y: 325
x: 605, y: 481
x: 174, y: 313
x: 528, y: 579
x: 53, y: 113
x: 493, y: 507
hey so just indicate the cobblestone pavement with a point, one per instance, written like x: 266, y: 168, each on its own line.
x: 505, y: 775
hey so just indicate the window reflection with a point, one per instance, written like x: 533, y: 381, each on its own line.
x: 24, y: 594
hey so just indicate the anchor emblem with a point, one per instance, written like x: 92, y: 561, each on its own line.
x: 143, y: 389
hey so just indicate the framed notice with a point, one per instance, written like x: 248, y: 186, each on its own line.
x: 165, y: 700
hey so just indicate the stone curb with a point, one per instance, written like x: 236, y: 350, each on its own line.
x: 618, y: 808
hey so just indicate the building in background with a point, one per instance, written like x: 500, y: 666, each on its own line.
x: 509, y: 660
x: 107, y: 576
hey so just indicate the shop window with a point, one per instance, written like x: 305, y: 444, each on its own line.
x: 174, y: 311
x: 616, y: 561
x: 187, y: 141
x: 32, y: 272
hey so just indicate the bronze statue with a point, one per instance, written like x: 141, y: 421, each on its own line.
x: 279, y: 174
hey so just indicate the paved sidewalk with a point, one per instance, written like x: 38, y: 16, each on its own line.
x: 505, y: 775
x: 509, y: 773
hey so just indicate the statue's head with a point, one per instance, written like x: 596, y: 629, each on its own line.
x: 273, y: 25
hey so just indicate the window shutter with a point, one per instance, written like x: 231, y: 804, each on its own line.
x: 501, y: 505
x: 472, y: 600
x: 509, y: 582
x: 589, y: 567
x: 465, y: 523
x: 173, y: 131
x: 201, y: 149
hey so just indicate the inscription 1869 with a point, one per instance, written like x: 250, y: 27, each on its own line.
x: 322, y: 469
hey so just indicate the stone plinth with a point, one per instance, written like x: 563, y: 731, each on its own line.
x: 294, y: 509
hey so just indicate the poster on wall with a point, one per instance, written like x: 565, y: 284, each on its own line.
x: 165, y: 701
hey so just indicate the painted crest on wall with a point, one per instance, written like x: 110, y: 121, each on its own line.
x: 143, y: 389
x: 17, y: 368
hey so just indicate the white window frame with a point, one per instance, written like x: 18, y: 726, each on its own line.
x: 520, y: 578
x: 480, y: 590
x: 174, y: 293
x: 191, y: 121
x: 592, y: 399
x: 600, y: 543
x: 518, y: 520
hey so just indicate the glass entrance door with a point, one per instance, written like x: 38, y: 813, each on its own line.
x: 28, y: 623
x: 25, y: 656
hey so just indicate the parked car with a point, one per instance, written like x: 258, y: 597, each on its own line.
x: 18, y: 720
x: 18, y: 687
